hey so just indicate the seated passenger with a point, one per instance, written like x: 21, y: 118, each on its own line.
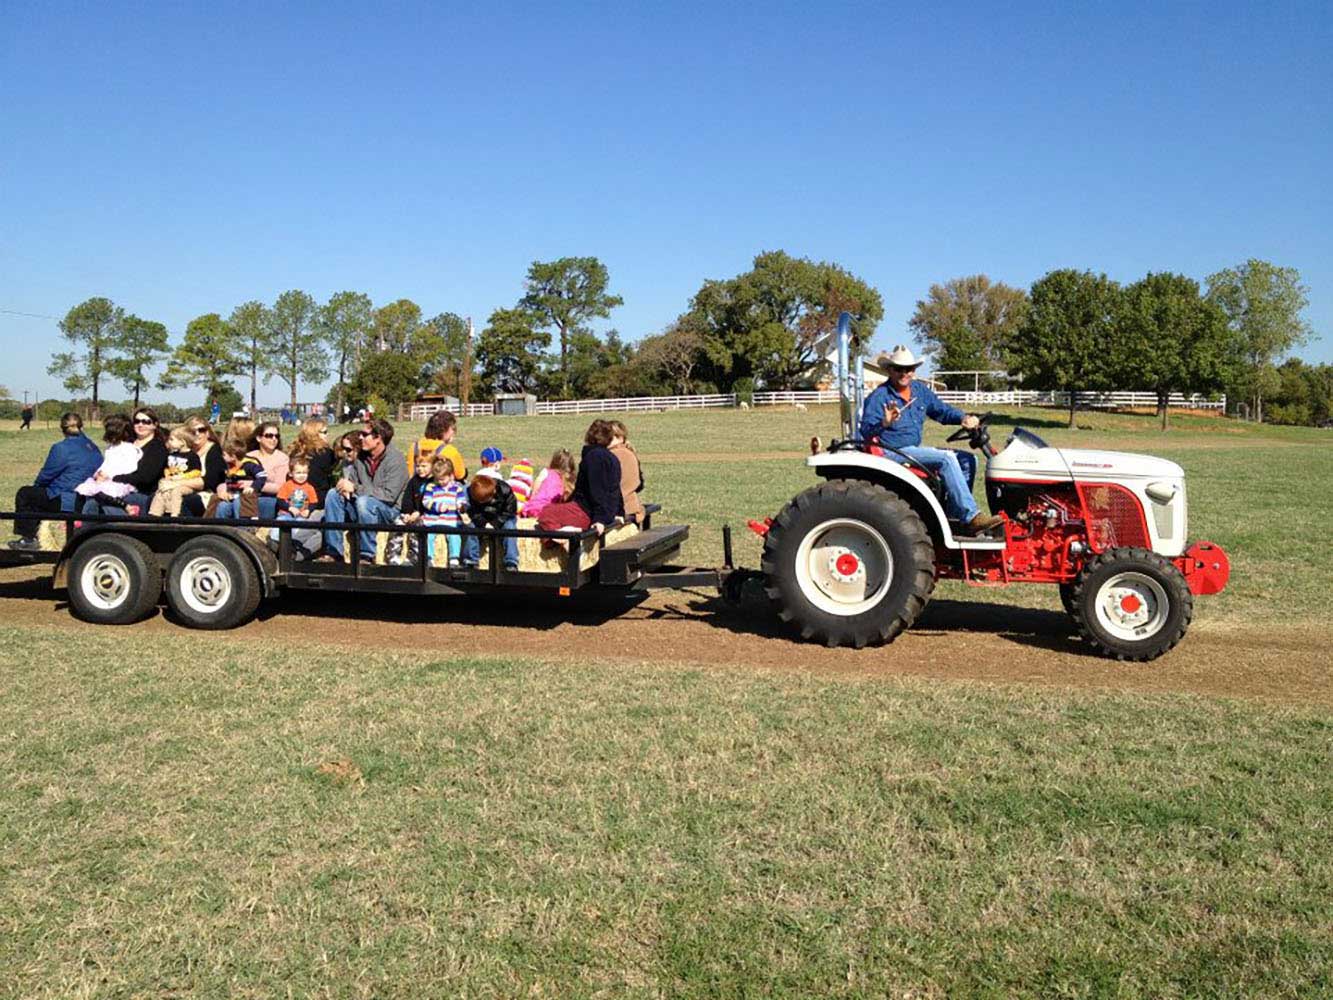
x: 368, y: 491
x: 298, y: 500
x: 441, y: 429
x: 597, y: 500
x: 236, y: 495
x: 106, y: 486
x: 893, y: 416
x: 441, y: 503
x: 490, y: 504
x: 150, y: 444
x: 402, y: 549
x: 631, y: 472
x: 69, y: 462
x: 554, y: 483
x: 268, y: 452
x: 183, y: 475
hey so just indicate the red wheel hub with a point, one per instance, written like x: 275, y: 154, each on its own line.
x: 847, y: 564
x: 1130, y: 603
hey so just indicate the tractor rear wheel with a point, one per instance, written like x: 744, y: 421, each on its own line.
x: 1132, y: 604
x: 848, y: 563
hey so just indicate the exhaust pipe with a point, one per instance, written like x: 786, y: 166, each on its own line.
x: 851, y: 388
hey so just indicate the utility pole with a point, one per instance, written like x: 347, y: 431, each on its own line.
x: 466, y: 381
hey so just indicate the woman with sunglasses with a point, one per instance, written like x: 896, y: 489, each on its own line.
x: 268, y: 449
x: 312, y: 444
x: 209, y: 449
x: 150, y: 440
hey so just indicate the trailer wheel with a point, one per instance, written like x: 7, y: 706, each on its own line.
x: 113, y: 580
x: 1132, y: 604
x: 212, y: 584
x: 848, y: 563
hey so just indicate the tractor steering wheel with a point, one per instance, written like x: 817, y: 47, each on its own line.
x: 977, y: 437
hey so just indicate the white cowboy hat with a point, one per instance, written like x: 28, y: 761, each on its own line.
x: 899, y: 357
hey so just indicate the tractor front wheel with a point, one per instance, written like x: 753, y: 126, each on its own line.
x: 1132, y: 604
x: 848, y: 563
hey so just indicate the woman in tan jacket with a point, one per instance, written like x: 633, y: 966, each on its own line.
x: 631, y: 475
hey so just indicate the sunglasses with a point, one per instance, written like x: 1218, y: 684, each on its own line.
x: 144, y: 420
x: 366, y: 434
x: 268, y: 435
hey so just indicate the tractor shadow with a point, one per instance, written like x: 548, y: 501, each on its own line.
x: 1036, y: 628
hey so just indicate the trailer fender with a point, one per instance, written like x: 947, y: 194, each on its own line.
x: 164, y: 538
x: 891, y: 475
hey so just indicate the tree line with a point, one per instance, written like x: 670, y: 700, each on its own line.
x: 770, y: 326
x: 1080, y: 331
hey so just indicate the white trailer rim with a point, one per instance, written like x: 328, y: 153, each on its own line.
x: 205, y: 585
x: 1132, y: 606
x: 844, y: 567
x: 105, y: 582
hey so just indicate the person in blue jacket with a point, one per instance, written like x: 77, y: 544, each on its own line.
x: 893, y: 417
x: 69, y: 462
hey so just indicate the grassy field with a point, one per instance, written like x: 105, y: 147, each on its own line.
x: 209, y: 819
x: 1258, y: 491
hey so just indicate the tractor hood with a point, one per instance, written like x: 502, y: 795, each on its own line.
x: 1021, y: 459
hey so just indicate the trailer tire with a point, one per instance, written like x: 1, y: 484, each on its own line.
x: 212, y: 584
x: 113, y: 580
x: 1132, y: 604
x: 848, y: 563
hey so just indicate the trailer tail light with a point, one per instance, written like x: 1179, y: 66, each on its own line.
x: 760, y: 528
x: 1114, y: 515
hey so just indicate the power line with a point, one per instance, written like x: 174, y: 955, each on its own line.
x: 15, y: 312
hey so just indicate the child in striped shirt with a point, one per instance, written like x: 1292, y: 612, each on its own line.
x: 440, y: 504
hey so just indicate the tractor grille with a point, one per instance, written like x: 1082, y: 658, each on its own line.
x: 1115, y: 517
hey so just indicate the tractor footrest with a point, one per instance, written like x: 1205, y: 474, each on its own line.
x: 622, y: 563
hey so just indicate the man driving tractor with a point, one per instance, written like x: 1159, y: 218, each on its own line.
x: 893, y: 417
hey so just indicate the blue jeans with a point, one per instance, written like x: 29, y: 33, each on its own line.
x: 362, y: 510
x: 958, y: 502
x: 472, y: 548
x: 91, y: 506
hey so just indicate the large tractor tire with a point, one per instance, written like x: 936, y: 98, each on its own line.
x: 212, y: 584
x: 114, y: 580
x: 848, y: 563
x: 1132, y: 604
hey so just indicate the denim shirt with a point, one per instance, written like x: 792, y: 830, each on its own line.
x: 69, y: 462
x: 906, y: 430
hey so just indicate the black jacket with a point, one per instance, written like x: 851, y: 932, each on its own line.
x: 597, y: 489
x: 410, y: 501
x: 497, y: 510
x: 152, y: 463
x: 215, y: 468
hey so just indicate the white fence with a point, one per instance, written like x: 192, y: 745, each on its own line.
x: 1011, y: 397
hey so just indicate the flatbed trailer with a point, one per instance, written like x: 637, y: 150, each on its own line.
x: 215, y: 572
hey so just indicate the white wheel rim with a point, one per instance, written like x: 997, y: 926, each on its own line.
x: 105, y: 582
x: 844, y: 567
x: 1132, y: 606
x: 205, y: 585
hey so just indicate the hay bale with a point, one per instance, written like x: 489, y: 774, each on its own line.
x: 50, y: 535
x: 533, y: 557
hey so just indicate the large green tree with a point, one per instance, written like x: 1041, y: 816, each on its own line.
x: 776, y: 322
x: 205, y: 357
x: 966, y: 322
x: 1264, y: 304
x: 1169, y: 339
x: 139, y: 345
x: 1065, y: 342
x: 390, y: 376
x: 441, y: 349
x: 562, y: 296
x: 510, y: 352
x: 344, y: 323
x: 92, y: 327
x: 252, y: 327
x: 394, y: 326
x: 297, y: 350
x: 674, y: 357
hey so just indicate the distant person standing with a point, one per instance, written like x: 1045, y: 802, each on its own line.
x: 27, y: 417
x: 215, y: 412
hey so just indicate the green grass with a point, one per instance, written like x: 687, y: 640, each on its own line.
x: 493, y: 828
x: 1260, y: 492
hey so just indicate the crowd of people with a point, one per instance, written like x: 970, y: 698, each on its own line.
x: 244, y: 472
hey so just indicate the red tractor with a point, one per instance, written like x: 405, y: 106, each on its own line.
x: 853, y: 560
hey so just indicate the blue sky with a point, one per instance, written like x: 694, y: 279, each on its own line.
x: 183, y: 158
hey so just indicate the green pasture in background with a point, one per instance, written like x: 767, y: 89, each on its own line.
x: 1259, y: 491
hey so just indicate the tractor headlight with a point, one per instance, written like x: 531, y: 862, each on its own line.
x: 1162, y: 493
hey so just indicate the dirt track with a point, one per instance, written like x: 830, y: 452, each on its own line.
x: 954, y: 640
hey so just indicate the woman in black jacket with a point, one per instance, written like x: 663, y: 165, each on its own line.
x: 150, y: 439
x: 596, y: 501
x: 209, y: 449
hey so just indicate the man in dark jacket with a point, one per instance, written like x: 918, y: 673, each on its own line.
x: 491, y: 504
x: 69, y: 462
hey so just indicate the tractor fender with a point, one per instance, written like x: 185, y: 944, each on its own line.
x: 164, y: 538
x: 893, y: 476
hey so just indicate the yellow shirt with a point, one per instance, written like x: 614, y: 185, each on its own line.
x: 430, y: 447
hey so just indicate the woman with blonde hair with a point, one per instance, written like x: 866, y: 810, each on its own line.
x: 312, y: 444
x: 209, y: 449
